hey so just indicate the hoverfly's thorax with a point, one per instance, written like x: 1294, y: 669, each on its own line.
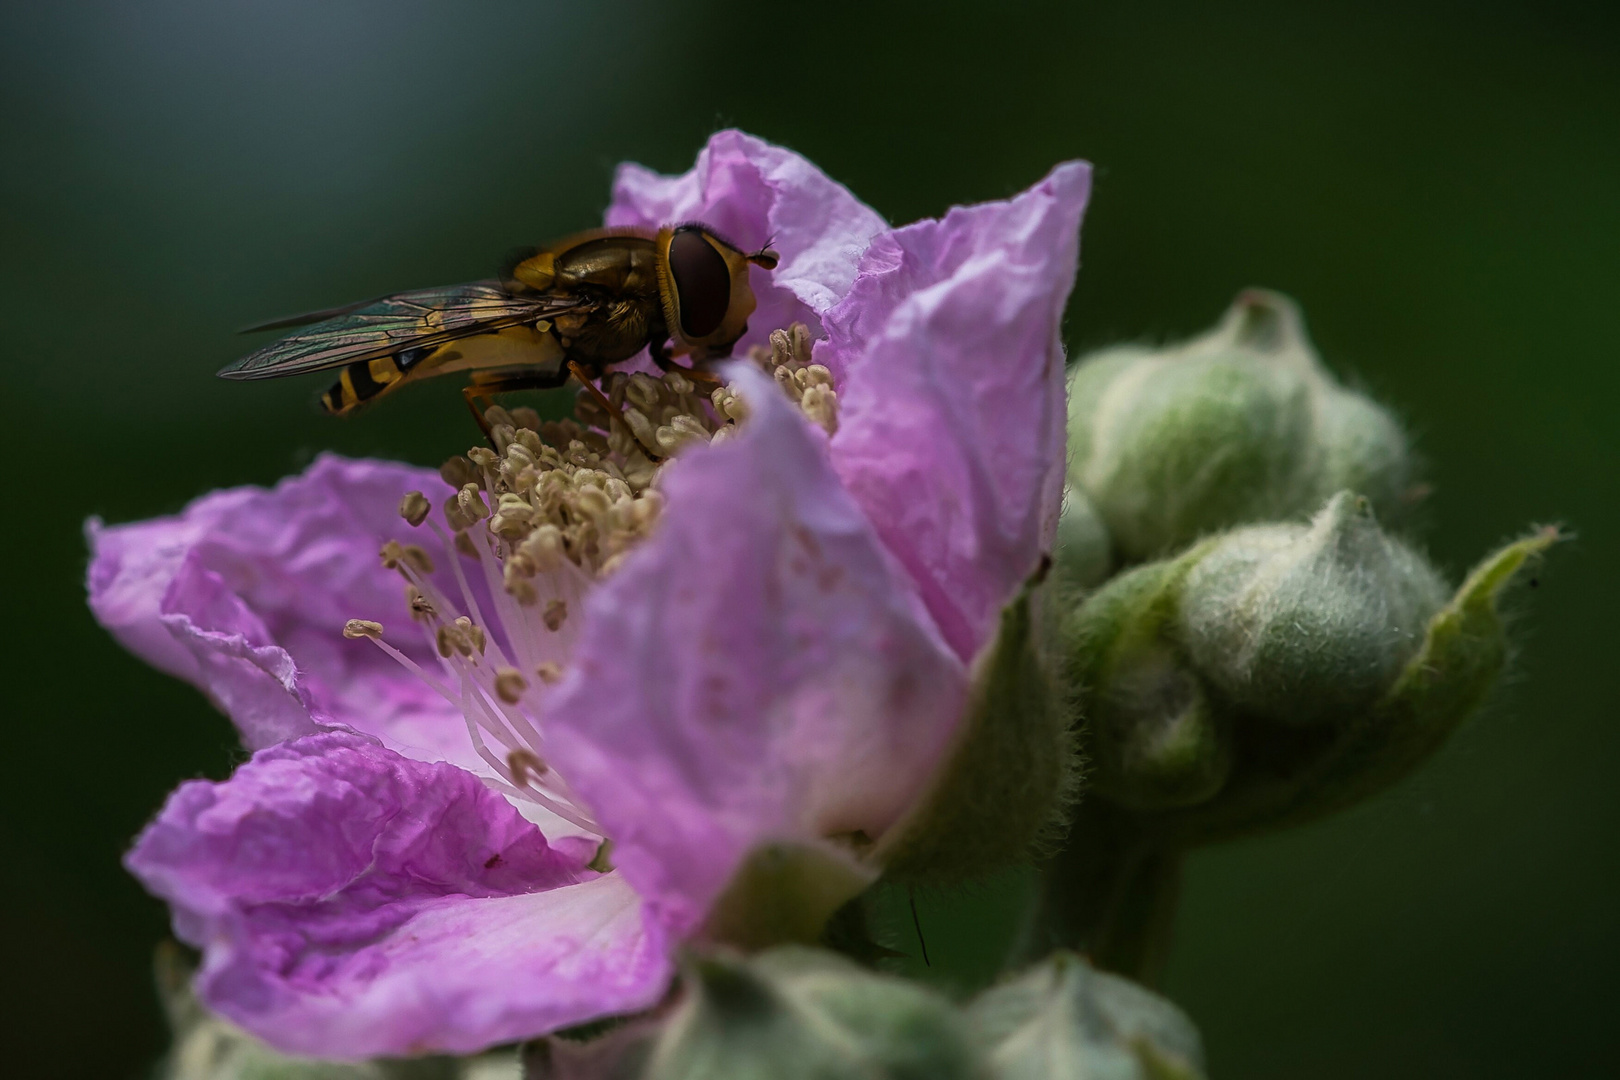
x: 703, y: 284
x: 538, y: 272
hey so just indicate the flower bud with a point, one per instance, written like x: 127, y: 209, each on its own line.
x: 1307, y: 625
x: 1063, y: 1020
x: 1153, y: 737
x: 1275, y: 671
x: 793, y: 1013
x: 1240, y: 425
x: 1081, y: 556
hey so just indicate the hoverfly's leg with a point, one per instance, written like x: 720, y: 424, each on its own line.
x: 472, y: 394
x: 614, y: 412
x: 574, y: 368
x: 664, y: 357
x: 483, y: 389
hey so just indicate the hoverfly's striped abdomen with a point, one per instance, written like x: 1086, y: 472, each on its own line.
x: 365, y: 379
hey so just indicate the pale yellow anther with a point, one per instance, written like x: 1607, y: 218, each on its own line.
x: 592, y: 500
x: 453, y: 516
x: 526, y: 419
x: 422, y: 608
x: 729, y: 404
x: 522, y: 590
x: 473, y: 632
x: 392, y: 554
x: 510, y: 685
x: 451, y: 641
x: 549, y: 673
x: 518, y: 457
x: 497, y: 415
x: 555, y: 615
x: 471, y: 502
x: 416, y: 557
x: 820, y: 404
x: 483, y: 457
x: 362, y: 628
x: 641, y: 428
x: 414, y: 508
x: 459, y: 472
x: 643, y: 391
x: 525, y: 764
x: 544, y: 548
x: 678, y: 383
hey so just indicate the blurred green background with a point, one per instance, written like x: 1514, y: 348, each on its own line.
x: 1438, y: 183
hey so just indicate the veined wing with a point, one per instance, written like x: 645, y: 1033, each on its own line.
x: 408, y: 320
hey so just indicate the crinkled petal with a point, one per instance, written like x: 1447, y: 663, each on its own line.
x: 245, y: 594
x: 753, y: 192
x: 949, y: 366
x: 759, y: 670
x: 351, y: 902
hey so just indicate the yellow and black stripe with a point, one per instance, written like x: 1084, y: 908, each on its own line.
x: 364, y: 380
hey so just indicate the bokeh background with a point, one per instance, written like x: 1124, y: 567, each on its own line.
x: 1437, y: 182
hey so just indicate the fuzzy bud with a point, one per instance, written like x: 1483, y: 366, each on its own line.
x: 1063, y: 1020
x: 1240, y: 425
x: 1308, y: 625
x: 1081, y: 557
x: 1222, y: 690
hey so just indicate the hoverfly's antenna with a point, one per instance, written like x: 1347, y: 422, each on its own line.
x: 765, y: 257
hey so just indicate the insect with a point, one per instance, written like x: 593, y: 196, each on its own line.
x: 568, y: 310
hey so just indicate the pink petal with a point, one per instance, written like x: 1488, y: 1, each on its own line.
x: 753, y: 192
x: 245, y: 594
x: 758, y: 671
x: 351, y: 902
x: 949, y: 367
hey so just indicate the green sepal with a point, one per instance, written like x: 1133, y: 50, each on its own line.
x: 804, y: 1014
x: 1063, y: 1020
x: 1152, y: 739
x: 786, y: 893
x: 1008, y: 780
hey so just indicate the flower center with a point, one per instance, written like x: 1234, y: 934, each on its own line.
x: 534, y: 522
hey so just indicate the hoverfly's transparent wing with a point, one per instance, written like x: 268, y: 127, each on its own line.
x: 307, y: 317
x: 408, y: 320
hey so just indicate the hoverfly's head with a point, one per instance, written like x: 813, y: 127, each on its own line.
x: 703, y: 281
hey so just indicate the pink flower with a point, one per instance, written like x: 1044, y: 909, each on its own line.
x: 769, y: 643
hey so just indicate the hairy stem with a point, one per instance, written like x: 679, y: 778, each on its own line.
x: 1110, y: 894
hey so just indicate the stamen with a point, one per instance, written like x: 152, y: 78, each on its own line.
x: 556, y: 614
x: 524, y: 764
x: 414, y: 508
x: 510, y: 684
x: 811, y: 385
x: 549, y: 509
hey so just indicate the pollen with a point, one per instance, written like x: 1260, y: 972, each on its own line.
x: 810, y: 384
x: 532, y: 522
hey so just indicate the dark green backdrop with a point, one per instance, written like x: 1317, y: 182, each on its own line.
x: 1439, y: 184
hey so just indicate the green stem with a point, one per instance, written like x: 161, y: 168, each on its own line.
x: 1110, y: 894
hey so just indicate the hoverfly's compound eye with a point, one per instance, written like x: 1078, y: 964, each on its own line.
x: 702, y: 282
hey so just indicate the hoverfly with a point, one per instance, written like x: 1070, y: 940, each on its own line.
x: 571, y: 309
